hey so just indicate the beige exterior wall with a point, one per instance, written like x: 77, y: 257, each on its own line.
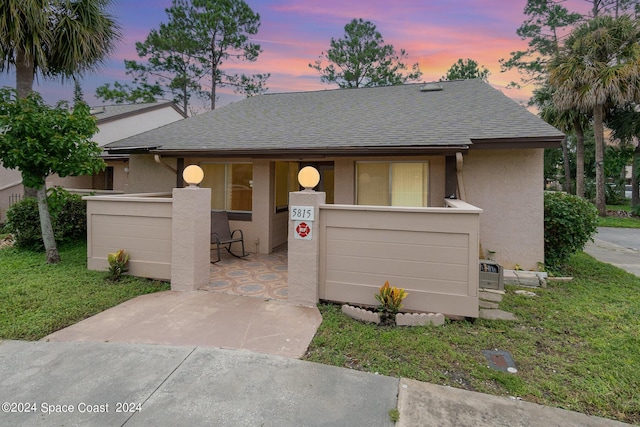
x: 146, y: 176
x: 139, y: 224
x: 85, y: 182
x: 268, y: 229
x: 72, y: 182
x: 508, y: 186
x: 10, y: 183
x: 430, y: 252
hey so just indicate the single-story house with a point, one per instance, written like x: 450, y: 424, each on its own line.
x: 114, y: 122
x: 410, y: 145
x: 117, y: 122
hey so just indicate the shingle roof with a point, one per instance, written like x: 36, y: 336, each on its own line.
x: 391, y: 116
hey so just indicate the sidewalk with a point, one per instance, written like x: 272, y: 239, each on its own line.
x: 115, y: 384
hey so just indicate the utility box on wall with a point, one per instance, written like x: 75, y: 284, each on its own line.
x: 491, y: 275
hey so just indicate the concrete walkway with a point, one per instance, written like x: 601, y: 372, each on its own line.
x: 202, y: 318
x: 115, y: 384
x: 617, y: 246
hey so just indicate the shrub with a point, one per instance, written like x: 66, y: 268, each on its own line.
x: 118, y: 264
x: 390, y: 299
x: 68, y: 214
x: 569, y: 223
x: 68, y: 217
x: 23, y: 221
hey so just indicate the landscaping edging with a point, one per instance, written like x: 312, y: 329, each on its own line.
x: 402, y: 319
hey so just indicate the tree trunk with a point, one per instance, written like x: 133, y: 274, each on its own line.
x: 579, y: 158
x: 567, y: 166
x: 24, y: 73
x: 24, y: 86
x: 47, y: 229
x: 598, y: 132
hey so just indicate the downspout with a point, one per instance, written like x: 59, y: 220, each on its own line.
x: 156, y: 157
x: 461, y: 193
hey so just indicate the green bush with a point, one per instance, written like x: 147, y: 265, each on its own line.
x: 613, y: 191
x: 68, y: 214
x: 569, y: 223
x: 68, y: 217
x: 23, y: 221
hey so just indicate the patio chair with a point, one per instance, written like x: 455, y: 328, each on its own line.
x: 221, y: 235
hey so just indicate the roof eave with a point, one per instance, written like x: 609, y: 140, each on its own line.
x: 518, y: 143
x: 306, y: 153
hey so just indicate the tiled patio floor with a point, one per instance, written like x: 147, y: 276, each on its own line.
x: 258, y: 275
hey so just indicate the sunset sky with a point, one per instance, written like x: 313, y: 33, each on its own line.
x: 293, y: 33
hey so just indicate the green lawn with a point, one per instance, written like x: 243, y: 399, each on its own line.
x: 576, y: 345
x: 37, y: 299
x: 612, y: 221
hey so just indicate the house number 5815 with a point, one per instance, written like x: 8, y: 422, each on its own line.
x: 298, y: 213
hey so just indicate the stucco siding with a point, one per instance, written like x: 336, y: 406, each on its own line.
x: 69, y: 181
x: 508, y: 186
x: 145, y: 175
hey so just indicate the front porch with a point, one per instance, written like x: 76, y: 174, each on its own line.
x: 259, y: 275
x: 351, y: 251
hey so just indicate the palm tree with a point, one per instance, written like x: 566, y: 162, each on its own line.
x: 53, y: 38
x: 598, y: 67
x: 625, y: 123
x: 56, y: 38
x: 568, y: 121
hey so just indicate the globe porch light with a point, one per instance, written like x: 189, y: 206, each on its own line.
x: 308, y: 177
x: 193, y: 175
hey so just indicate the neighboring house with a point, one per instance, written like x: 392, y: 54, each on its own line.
x: 407, y: 145
x: 114, y: 122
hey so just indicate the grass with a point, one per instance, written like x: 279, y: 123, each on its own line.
x: 576, y: 345
x: 613, y: 221
x: 37, y: 299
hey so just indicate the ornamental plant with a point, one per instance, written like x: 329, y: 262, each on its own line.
x: 118, y: 264
x: 390, y: 299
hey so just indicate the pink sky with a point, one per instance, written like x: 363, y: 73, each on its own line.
x: 293, y: 33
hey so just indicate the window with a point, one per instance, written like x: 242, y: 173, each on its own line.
x: 103, y: 180
x: 231, y: 185
x: 392, y: 183
x: 286, y: 182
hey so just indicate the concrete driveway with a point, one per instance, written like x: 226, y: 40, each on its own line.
x: 617, y: 246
